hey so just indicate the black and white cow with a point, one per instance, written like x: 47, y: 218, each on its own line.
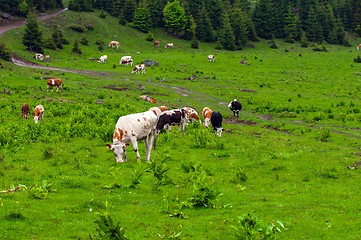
x: 235, y: 107
x: 216, y: 120
x: 172, y: 117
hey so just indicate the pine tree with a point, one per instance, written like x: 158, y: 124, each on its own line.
x: 263, y: 18
x: 128, y: 11
x: 204, y: 31
x: 32, y: 38
x: 314, y: 29
x: 291, y: 28
x: 142, y: 20
x: 226, y: 35
x: 239, y: 26
x: 190, y: 29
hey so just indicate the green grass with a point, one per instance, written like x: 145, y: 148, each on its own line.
x: 298, y: 133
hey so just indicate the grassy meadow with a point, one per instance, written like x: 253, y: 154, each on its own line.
x: 293, y: 155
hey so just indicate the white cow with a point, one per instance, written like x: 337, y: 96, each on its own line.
x: 114, y: 44
x: 133, y: 128
x: 139, y: 68
x: 126, y: 60
x: 39, y: 57
x: 169, y: 45
x: 103, y: 59
x: 211, y: 58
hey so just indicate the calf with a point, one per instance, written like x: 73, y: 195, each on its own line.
x: 171, y: 117
x: 207, y: 114
x: 216, y: 120
x: 235, y: 107
x: 38, y: 113
x: 133, y: 128
x: 114, y: 44
x: 147, y: 98
x: 103, y: 59
x: 169, y: 45
x: 156, y: 43
x: 25, y: 109
x: 126, y: 60
x: 211, y: 58
x: 139, y: 68
x: 39, y: 57
x: 55, y: 82
x: 191, y: 114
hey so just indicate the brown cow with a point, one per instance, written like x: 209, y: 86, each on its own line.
x: 55, y: 82
x: 156, y: 43
x: 25, y: 109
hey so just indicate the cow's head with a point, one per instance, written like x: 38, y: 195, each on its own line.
x: 118, y: 150
x: 219, y: 132
x: 36, y: 119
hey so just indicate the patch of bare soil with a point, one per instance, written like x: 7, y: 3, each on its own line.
x: 233, y: 120
x: 113, y: 87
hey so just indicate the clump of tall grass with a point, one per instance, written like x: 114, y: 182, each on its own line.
x: 205, y: 138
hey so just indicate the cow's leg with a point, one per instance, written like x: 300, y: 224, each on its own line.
x: 124, y: 155
x: 133, y: 139
x: 150, y: 139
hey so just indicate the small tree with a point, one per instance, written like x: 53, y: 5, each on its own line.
x: 142, y: 20
x: 32, y: 38
x: 76, y: 49
x: 175, y: 18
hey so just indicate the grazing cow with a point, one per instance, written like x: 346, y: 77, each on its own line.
x: 235, y: 107
x: 191, y: 114
x: 169, y: 45
x: 359, y: 46
x: 147, y: 98
x: 133, y: 128
x: 172, y: 117
x: 216, y: 120
x: 103, y: 59
x: 39, y: 57
x: 207, y: 114
x: 211, y: 58
x: 55, y: 82
x: 25, y: 109
x: 139, y: 68
x: 126, y: 60
x: 114, y: 44
x: 38, y: 113
x: 156, y: 43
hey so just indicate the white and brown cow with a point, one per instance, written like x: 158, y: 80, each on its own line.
x: 148, y: 98
x: 211, y: 58
x: 38, y: 113
x: 126, y: 60
x: 207, y: 114
x: 359, y: 46
x: 156, y: 43
x: 139, y: 68
x: 103, y: 59
x: 55, y: 82
x: 191, y: 114
x: 169, y: 45
x: 39, y: 57
x: 133, y: 128
x: 25, y: 109
x: 113, y: 44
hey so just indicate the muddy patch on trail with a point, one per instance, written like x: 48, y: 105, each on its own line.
x: 233, y: 120
x: 113, y: 87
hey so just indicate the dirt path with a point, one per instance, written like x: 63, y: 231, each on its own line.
x: 18, y: 23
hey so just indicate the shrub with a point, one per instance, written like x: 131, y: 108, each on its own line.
x: 194, y: 43
x: 76, y: 48
x: 357, y: 59
x: 149, y: 37
x: 84, y: 41
x: 77, y: 28
x: 250, y: 227
x: 4, y: 52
